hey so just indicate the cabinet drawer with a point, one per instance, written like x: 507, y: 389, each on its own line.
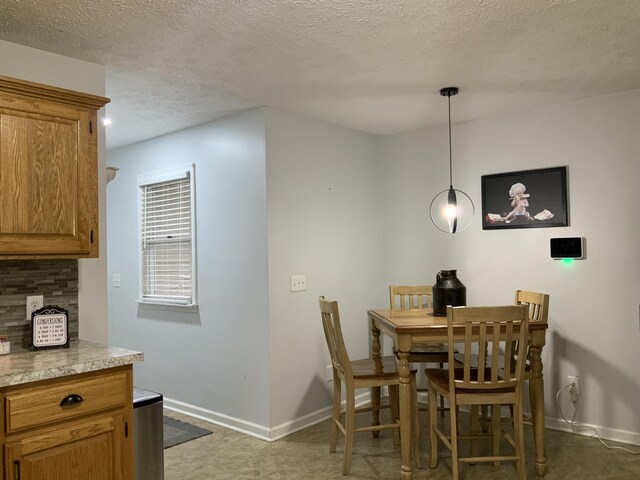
x: 37, y: 406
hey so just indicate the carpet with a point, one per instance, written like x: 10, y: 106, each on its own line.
x: 176, y: 432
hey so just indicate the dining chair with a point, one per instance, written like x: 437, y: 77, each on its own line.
x: 491, y: 380
x: 538, y: 311
x: 410, y: 297
x: 355, y: 374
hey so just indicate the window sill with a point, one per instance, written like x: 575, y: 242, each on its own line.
x: 192, y: 307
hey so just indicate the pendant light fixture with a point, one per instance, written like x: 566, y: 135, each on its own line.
x: 451, y: 210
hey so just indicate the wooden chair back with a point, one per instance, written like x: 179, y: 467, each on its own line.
x: 491, y: 333
x: 537, y: 304
x: 335, y: 340
x: 410, y: 297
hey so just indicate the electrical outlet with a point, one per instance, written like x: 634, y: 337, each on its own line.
x: 574, y: 390
x: 329, y: 374
x: 298, y: 283
x: 34, y: 302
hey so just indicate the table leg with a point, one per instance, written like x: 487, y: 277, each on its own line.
x: 405, y: 414
x: 536, y: 395
x: 375, y: 391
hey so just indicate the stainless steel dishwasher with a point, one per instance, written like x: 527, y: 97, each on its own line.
x: 147, y: 435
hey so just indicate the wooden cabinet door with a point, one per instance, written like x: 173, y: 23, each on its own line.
x: 48, y: 184
x: 86, y: 451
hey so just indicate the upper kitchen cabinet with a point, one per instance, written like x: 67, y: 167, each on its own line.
x: 48, y: 171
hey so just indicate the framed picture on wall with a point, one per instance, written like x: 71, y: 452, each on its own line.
x: 526, y: 199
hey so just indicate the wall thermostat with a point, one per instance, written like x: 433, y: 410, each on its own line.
x: 568, y: 247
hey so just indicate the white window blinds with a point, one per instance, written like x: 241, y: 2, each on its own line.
x: 166, y: 239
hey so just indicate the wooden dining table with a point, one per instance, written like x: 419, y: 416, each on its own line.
x: 418, y: 327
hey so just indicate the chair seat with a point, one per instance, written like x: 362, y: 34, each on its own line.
x: 369, y: 368
x: 440, y: 376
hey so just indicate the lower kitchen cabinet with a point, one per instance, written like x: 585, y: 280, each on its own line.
x: 73, y: 428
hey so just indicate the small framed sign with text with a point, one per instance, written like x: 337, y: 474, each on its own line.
x: 50, y: 328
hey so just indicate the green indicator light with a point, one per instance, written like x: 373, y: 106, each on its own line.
x: 567, y: 261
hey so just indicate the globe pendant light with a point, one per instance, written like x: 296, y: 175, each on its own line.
x: 451, y: 210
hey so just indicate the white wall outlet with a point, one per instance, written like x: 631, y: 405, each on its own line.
x: 298, y: 283
x: 116, y: 280
x: 329, y: 374
x: 34, y: 302
x: 574, y: 390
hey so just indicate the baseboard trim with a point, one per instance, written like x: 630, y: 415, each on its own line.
x: 292, y: 426
x: 242, y: 426
x: 287, y: 428
x: 606, y: 433
x: 253, y: 429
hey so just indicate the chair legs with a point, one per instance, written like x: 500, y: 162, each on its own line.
x: 394, y: 403
x: 433, y: 438
x: 337, y: 397
x: 518, y: 437
x: 496, y: 426
x: 349, y: 426
x: 496, y: 433
x: 375, y: 412
x: 415, y: 425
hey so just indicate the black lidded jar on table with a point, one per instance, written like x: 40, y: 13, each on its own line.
x: 448, y: 290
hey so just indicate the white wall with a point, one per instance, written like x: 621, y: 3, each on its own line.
x: 39, y: 66
x: 413, y: 169
x: 322, y: 222
x: 215, y: 359
x: 594, y: 330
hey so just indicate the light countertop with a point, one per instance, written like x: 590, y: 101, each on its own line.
x: 26, y: 366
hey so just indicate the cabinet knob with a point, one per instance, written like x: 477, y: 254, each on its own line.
x: 72, y: 399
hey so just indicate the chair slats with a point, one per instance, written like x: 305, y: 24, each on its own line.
x: 410, y: 297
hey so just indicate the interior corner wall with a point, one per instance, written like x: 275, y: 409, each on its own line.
x: 323, y: 222
x: 594, y: 303
x: 214, y: 360
x: 34, y: 65
x: 412, y: 170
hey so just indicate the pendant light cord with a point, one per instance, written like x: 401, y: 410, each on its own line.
x: 450, y: 154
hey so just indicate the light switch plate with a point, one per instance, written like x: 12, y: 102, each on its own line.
x: 298, y: 283
x: 116, y: 280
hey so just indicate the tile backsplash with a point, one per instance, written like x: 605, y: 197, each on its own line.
x: 56, y: 280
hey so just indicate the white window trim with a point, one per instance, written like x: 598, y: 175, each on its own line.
x: 178, y: 173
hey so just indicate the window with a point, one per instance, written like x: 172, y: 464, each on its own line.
x: 167, y: 237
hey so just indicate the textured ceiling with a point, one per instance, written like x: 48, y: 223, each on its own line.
x: 375, y: 66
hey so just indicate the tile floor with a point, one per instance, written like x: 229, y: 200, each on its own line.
x: 305, y: 455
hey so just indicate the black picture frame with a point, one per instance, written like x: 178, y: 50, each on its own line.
x: 49, y: 328
x: 543, y: 203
